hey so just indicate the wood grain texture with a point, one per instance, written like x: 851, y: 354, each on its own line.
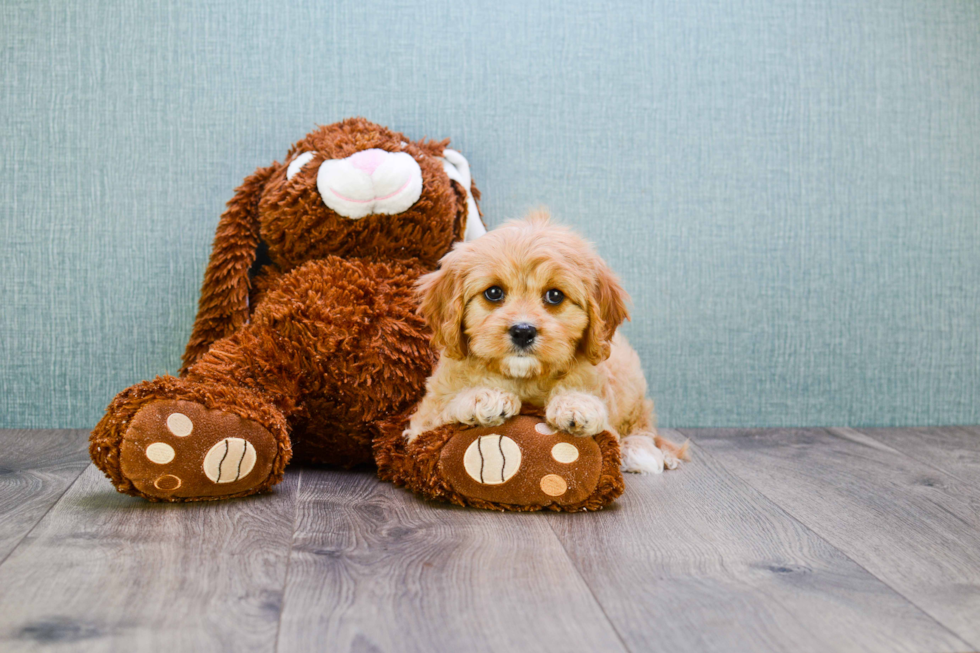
x: 104, y: 571
x: 952, y: 449
x: 695, y: 560
x: 798, y: 540
x: 910, y: 525
x: 374, y: 568
x: 36, y: 467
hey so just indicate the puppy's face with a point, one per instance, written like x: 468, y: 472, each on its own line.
x: 527, y: 299
x: 525, y: 316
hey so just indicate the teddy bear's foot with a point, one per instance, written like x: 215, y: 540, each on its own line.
x: 180, y: 450
x: 523, y: 464
x: 171, y: 439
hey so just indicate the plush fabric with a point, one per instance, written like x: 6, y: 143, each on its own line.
x: 297, y: 164
x: 160, y: 483
x: 544, y: 477
x: 458, y: 169
x: 370, y: 181
x: 318, y: 352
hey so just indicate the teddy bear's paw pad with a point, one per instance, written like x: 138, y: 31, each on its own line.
x: 523, y: 462
x: 492, y: 459
x: 230, y: 460
x: 181, y: 450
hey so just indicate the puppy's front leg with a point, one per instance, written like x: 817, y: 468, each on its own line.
x: 578, y: 413
x: 483, y: 406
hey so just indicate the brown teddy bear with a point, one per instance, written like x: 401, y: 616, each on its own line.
x: 319, y: 353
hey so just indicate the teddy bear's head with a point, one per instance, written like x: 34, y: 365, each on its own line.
x: 356, y: 189
x: 351, y: 189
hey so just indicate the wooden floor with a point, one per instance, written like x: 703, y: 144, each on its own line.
x: 770, y: 540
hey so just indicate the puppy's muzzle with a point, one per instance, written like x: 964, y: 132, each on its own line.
x: 523, y: 334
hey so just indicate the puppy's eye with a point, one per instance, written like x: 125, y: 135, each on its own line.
x: 297, y: 164
x: 554, y: 297
x: 494, y: 294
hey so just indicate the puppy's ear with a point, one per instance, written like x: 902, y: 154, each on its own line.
x: 441, y: 304
x: 607, y: 310
x: 223, y: 306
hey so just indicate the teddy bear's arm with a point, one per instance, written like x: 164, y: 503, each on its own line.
x: 223, y: 307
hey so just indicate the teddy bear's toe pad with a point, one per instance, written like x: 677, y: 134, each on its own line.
x: 179, y: 449
x: 523, y: 462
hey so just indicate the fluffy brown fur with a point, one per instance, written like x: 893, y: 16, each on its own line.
x: 329, y: 345
x: 577, y: 367
x: 297, y: 226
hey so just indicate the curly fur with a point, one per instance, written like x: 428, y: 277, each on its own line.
x: 578, y: 367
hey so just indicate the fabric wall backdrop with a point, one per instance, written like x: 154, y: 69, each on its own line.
x: 790, y: 190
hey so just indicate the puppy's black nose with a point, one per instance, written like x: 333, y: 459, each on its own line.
x: 523, y: 334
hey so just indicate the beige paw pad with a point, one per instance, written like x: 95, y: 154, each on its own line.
x: 229, y: 460
x: 564, y: 452
x: 544, y: 429
x: 553, y: 485
x: 160, y: 453
x: 492, y: 459
x: 180, y: 424
x: 167, y: 483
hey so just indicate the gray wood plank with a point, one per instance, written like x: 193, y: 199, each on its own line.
x: 696, y: 560
x: 36, y: 467
x: 104, y: 571
x: 910, y: 525
x: 952, y: 449
x: 374, y: 568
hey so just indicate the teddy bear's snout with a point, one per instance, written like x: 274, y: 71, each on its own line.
x: 368, y: 182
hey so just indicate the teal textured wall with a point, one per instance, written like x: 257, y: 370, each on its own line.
x: 789, y: 189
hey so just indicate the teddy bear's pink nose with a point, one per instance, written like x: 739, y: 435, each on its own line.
x: 368, y: 160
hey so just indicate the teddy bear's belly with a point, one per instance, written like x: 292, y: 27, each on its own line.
x: 351, y: 348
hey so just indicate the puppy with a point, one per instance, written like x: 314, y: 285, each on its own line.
x: 529, y: 313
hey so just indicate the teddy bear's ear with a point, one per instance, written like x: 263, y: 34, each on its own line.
x: 223, y: 306
x: 458, y: 169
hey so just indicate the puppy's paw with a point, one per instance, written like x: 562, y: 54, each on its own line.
x: 640, y: 455
x: 578, y: 413
x: 483, y: 407
x: 673, y: 453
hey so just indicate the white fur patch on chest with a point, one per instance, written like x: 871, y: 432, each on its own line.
x: 520, y: 367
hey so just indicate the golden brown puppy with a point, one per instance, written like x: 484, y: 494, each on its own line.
x: 529, y: 313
